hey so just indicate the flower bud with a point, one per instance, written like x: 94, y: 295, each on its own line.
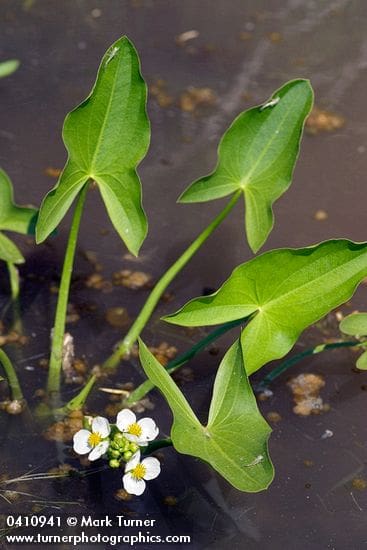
x: 119, y: 438
x: 113, y: 463
x: 127, y: 455
x: 114, y: 453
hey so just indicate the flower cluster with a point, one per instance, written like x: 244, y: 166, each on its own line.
x: 121, y: 443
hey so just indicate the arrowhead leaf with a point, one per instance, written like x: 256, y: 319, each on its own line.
x: 286, y: 291
x: 257, y: 155
x: 354, y: 324
x: 234, y: 442
x: 106, y: 137
x: 9, y: 252
x: 12, y: 218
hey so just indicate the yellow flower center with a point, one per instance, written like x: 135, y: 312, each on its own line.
x: 134, y: 429
x: 139, y: 471
x: 94, y: 439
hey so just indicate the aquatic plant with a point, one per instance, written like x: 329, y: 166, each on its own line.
x: 19, y: 219
x: 270, y: 299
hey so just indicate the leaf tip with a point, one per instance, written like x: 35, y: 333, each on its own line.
x: 40, y: 235
x: 169, y: 318
x: 184, y: 198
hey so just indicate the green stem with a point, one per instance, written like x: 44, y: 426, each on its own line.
x: 176, y: 363
x: 124, y: 347
x: 14, y: 287
x: 16, y: 390
x: 78, y: 401
x: 62, y: 303
x: 14, y: 280
x: 158, y: 444
x: 269, y: 378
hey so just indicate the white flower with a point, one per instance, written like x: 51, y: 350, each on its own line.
x: 93, y: 441
x: 137, y: 472
x: 140, y: 432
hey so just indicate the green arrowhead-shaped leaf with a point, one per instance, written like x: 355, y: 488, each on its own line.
x: 234, y: 441
x: 13, y: 217
x: 106, y: 137
x: 9, y: 252
x: 8, y: 67
x: 354, y: 324
x: 257, y: 155
x: 286, y: 291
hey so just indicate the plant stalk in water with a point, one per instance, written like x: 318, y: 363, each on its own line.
x: 14, y: 280
x: 288, y: 363
x: 11, y: 375
x: 124, y: 347
x: 62, y: 303
x: 78, y: 401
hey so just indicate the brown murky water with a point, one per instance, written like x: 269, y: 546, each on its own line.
x: 243, y: 51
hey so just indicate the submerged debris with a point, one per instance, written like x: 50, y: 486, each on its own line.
x: 265, y: 395
x: 158, y: 90
x: 132, y: 279
x: 327, y: 434
x: 164, y: 353
x: 306, y: 389
x: 184, y: 37
x: 170, y: 500
x: 183, y: 375
x: 14, y: 406
x: 192, y: 98
x: 118, y: 317
x: 98, y: 282
x: 144, y: 404
x: 359, y: 483
x: 72, y: 314
x: 11, y: 337
x: 52, y: 172
x: 122, y: 495
x: 92, y: 259
x: 321, y: 120
x: 245, y: 35
x: 274, y: 417
x: 320, y: 215
x: 68, y: 356
x: 65, y: 429
x: 275, y: 37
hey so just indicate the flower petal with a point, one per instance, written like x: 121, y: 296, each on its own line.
x: 98, y: 451
x: 101, y: 425
x: 80, y: 440
x: 134, y: 461
x: 149, y: 429
x: 132, y: 437
x: 124, y: 419
x: 152, y: 467
x: 132, y: 485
